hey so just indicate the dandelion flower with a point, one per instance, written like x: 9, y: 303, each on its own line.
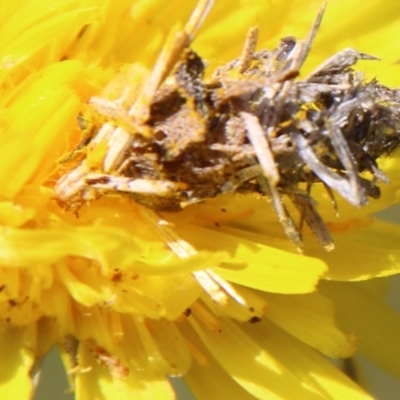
x: 216, y: 292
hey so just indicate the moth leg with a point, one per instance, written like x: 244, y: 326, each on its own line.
x: 342, y: 149
x: 261, y: 146
x: 329, y: 177
x: 306, y: 206
x: 302, y: 212
x: 269, y: 178
x: 248, y: 173
x: 242, y: 176
x: 344, y: 154
x: 275, y: 199
x: 162, y: 188
x: 332, y: 198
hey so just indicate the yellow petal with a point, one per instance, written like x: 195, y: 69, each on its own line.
x: 362, y: 252
x: 48, y: 333
x: 85, y: 294
x: 16, y: 365
x: 252, y: 365
x: 107, y: 245
x: 250, y: 308
x: 267, y: 267
x: 29, y: 29
x: 313, y: 370
x: 56, y: 303
x: 94, y: 324
x: 310, y: 318
x: 206, y: 378
x: 159, y: 358
x: 158, y: 296
x: 171, y: 345
x: 15, y: 215
x: 48, y: 105
x: 376, y: 325
x: 18, y: 159
x: 96, y: 382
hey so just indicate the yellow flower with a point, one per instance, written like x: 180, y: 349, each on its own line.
x: 215, y: 293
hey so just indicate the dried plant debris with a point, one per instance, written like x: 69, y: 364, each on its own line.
x: 250, y: 128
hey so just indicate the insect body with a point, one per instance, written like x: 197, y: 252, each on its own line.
x: 189, y: 139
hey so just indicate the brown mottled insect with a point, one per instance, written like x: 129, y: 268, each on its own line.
x: 189, y: 139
